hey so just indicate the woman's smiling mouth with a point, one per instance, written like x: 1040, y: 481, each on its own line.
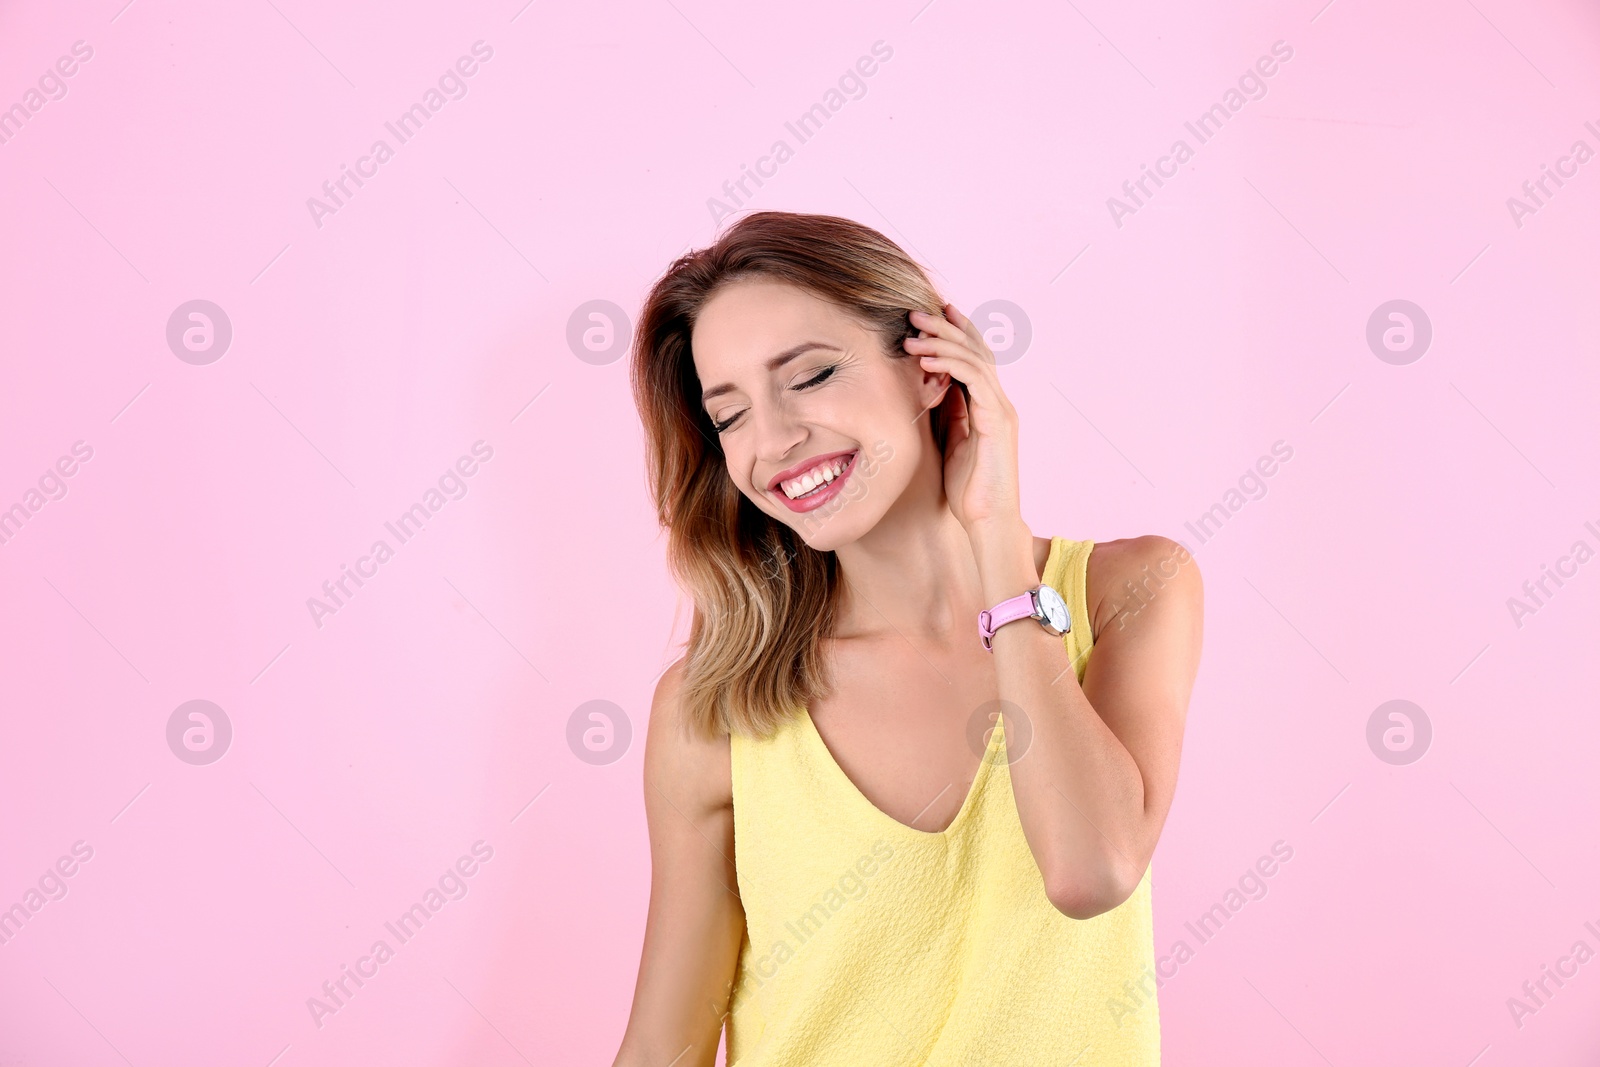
x: 811, y: 483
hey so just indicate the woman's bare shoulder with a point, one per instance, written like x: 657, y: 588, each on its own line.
x: 692, y: 772
x: 1125, y: 574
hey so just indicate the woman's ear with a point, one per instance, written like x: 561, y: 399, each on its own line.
x: 939, y: 417
x: 935, y: 387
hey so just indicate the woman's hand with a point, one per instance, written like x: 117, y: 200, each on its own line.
x: 980, y: 466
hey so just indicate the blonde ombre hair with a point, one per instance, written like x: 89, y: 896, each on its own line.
x: 764, y: 600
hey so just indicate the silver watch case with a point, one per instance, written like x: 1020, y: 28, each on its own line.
x: 1051, y: 610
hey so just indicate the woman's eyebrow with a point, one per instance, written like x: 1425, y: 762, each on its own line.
x: 772, y: 364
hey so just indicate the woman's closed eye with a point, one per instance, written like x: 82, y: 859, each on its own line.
x: 821, y: 376
x: 817, y: 379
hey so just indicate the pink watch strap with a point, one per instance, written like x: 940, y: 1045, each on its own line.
x: 1018, y: 607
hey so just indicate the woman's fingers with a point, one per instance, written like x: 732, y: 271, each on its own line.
x: 950, y: 347
x: 964, y: 362
x: 983, y: 402
x: 936, y: 326
x: 983, y: 385
x: 969, y: 328
x: 956, y: 327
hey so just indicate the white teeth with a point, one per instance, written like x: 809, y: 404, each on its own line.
x: 812, y: 479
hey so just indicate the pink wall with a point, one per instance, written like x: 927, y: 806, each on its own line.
x: 424, y: 723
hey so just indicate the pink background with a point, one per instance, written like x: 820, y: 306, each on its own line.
x: 428, y: 313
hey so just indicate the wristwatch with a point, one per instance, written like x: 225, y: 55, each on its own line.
x: 1041, y: 602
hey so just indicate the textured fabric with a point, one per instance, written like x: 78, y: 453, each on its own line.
x: 869, y: 942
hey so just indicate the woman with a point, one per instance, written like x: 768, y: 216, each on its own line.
x: 879, y: 837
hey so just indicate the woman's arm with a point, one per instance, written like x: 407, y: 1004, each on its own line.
x: 695, y: 924
x: 1102, y: 762
x: 1101, y: 769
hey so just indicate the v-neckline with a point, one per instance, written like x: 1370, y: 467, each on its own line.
x: 987, y: 760
x: 978, y: 779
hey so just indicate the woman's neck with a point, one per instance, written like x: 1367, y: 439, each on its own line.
x: 913, y: 573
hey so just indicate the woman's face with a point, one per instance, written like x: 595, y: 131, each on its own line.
x: 820, y: 428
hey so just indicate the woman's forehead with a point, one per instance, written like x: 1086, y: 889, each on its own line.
x: 750, y: 325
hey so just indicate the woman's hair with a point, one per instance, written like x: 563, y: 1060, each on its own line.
x: 763, y: 599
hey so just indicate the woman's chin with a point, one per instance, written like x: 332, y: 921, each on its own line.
x: 828, y: 534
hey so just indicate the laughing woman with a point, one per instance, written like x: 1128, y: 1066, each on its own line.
x: 898, y: 813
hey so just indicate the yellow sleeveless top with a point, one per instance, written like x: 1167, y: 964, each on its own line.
x: 871, y: 943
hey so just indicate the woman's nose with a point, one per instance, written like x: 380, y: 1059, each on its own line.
x: 777, y: 431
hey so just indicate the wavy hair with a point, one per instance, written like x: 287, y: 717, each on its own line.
x: 764, y: 600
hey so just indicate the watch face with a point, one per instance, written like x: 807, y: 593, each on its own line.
x: 1055, y: 609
